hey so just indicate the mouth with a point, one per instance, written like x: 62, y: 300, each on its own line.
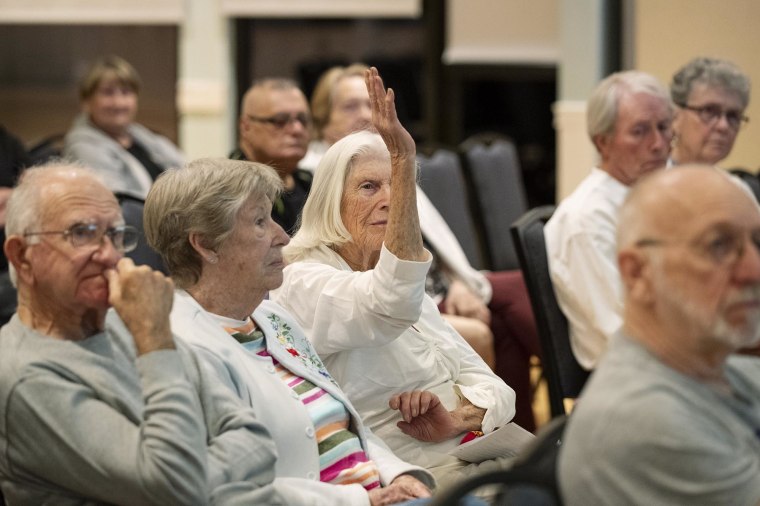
x: 380, y: 223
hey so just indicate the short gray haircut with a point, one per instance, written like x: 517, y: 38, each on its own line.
x: 712, y: 72
x: 267, y: 83
x: 204, y: 197
x: 24, y: 210
x: 321, y: 224
x: 602, y: 108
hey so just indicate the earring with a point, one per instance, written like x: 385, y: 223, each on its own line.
x: 212, y: 259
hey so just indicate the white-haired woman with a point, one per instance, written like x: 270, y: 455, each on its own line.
x: 356, y: 283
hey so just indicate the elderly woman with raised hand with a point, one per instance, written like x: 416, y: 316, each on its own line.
x: 356, y: 284
x: 212, y: 224
x: 711, y: 96
x: 126, y: 155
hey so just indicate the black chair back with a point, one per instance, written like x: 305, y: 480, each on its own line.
x: 564, y: 376
x: 531, y: 481
x: 750, y: 179
x: 494, y: 168
x: 132, y: 211
x: 442, y: 180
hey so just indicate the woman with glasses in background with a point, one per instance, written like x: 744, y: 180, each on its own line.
x: 711, y: 96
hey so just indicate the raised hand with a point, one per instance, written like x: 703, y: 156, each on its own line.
x: 382, y: 102
x: 143, y: 299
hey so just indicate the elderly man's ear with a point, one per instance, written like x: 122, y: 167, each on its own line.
x: 16, y: 251
x: 636, y: 272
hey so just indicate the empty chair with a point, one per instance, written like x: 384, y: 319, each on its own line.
x: 132, y: 211
x: 564, y: 376
x: 494, y: 168
x: 443, y: 182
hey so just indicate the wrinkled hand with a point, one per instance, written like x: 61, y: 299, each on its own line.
x: 143, y: 299
x: 404, y: 488
x: 425, y: 418
x: 460, y: 300
x: 399, y: 142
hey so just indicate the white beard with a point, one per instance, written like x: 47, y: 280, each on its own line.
x: 707, y: 323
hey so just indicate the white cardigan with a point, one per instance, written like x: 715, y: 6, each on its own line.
x: 254, y: 380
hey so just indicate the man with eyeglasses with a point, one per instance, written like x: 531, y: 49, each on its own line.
x: 274, y: 129
x: 711, y: 96
x: 629, y: 118
x: 115, y: 412
x: 671, y: 415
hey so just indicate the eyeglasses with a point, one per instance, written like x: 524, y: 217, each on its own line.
x: 711, y: 114
x: 280, y: 121
x: 82, y: 235
x: 721, y: 247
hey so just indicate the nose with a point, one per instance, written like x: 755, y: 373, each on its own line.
x: 280, y: 237
x: 662, y: 139
x: 747, y: 270
x: 107, y: 252
x: 722, y: 122
x: 365, y: 111
x: 385, y: 195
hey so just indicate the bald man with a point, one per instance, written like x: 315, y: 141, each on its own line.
x: 670, y: 416
x: 274, y: 129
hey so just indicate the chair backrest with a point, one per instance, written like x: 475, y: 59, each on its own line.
x: 564, y: 376
x: 531, y: 481
x: 132, y: 211
x: 749, y: 179
x: 443, y: 182
x: 494, y: 169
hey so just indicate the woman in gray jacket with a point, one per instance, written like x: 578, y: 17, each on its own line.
x: 127, y: 156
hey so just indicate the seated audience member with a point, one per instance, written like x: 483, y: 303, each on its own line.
x: 670, y: 416
x: 339, y: 106
x: 492, y: 311
x: 126, y: 155
x: 355, y: 281
x: 211, y: 222
x: 13, y: 159
x: 629, y: 118
x: 274, y: 129
x: 711, y: 96
x: 117, y: 413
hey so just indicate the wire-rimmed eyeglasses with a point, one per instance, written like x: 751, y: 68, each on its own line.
x: 81, y: 235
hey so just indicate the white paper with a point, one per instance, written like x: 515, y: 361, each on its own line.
x: 506, y: 441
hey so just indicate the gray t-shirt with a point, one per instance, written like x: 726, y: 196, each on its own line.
x: 643, y: 433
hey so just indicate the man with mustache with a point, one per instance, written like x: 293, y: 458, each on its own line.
x: 629, y: 120
x: 671, y: 415
x: 274, y: 129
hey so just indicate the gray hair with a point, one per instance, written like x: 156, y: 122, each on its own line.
x: 602, y: 109
x: 712, y: 72
x: 24, y: 210
x: 321, y: 224
x: 204, y: 197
